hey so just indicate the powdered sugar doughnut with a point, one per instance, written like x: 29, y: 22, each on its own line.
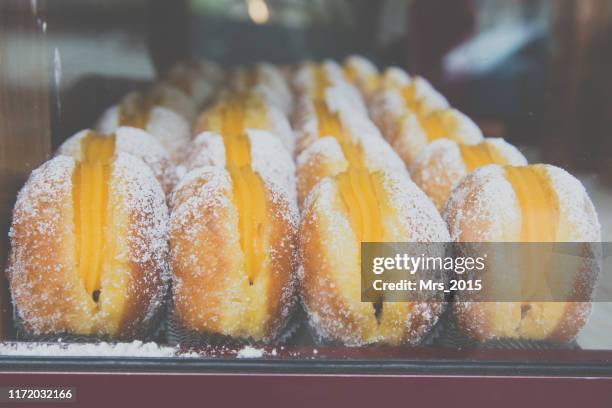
x: 412, y: 132
x: 444, y: 163
x: 89, y: 246
x: 330, y: 237
x: 248, y: 111
x: 537, y: 203
x: 312, y: 117
x: 139, y: 111
x: 244, y: 284
x: 136, y: 142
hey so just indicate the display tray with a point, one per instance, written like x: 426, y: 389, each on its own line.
x: 332, y: 360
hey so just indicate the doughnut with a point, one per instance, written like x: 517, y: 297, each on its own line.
x: 308, y: 109
x: 145, y: 111
x: 412, y: 132
x: 198, y: 79
x: 248, y: 110
x: 89, y: 246
x: 399, y: 92
x: 134, y: 141
x: 233, y: 230
x: 535, y: 203
x: 311, y: 81
x: 335, y: 140
x: 362, y: 73
x: 266, y: 81
x: 444, y: 163
x: 359, y: 205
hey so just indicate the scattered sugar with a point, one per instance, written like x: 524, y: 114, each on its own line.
x: 250, y: 352
x: 102, y: 349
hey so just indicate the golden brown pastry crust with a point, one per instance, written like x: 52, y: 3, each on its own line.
x: 48, y: 294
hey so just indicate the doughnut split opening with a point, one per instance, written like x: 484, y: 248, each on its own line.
x: 233, y: 115
x: 360, y: 189
x: 481, y: 154
x: 439, y: 124
x: 537, y: 201
x: 248, y: 190
x: 91, y: 210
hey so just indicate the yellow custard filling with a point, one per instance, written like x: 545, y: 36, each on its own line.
x: 360, y: 192
x: 248, y: 190
x: 439, y: 124
x: 539, y: 208
x: 135, y: 111
x: 360, y: 189
x: 409, y: 94
x: 90, y: 199
x: 236, y: 113
x: 481, y: 154
x: 538, y: 203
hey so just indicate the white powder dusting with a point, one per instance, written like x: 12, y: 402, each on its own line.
x: 250, y: 352
x: 102, y: 349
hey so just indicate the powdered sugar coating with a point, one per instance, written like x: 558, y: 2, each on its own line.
x: 136, y: 142
x: 281, y: 127
x: 325, y: 146
x: 148, y: 237
x: 276, y: 167
x: 440, y: 166
x: 415, y: 211
x: 38, y: 219
x: 465, y: 129
x: 207, y: 149
x: 304, y: 83
x: 513, y: 156
x: 483, y: 208
x: 168, y: 127
x: 576, y: 208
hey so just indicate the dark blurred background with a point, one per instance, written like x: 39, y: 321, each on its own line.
x: 536, y: 72
x: 533, y: 71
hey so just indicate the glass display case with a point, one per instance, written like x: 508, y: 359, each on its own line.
x: 328, y: 201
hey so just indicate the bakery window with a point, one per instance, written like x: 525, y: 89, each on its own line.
x: 370, y: 186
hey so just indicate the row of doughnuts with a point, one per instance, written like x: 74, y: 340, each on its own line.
x: 486, y: 192
x: 188, y: 184
x: 195, y: 187
x: 353, y: 188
